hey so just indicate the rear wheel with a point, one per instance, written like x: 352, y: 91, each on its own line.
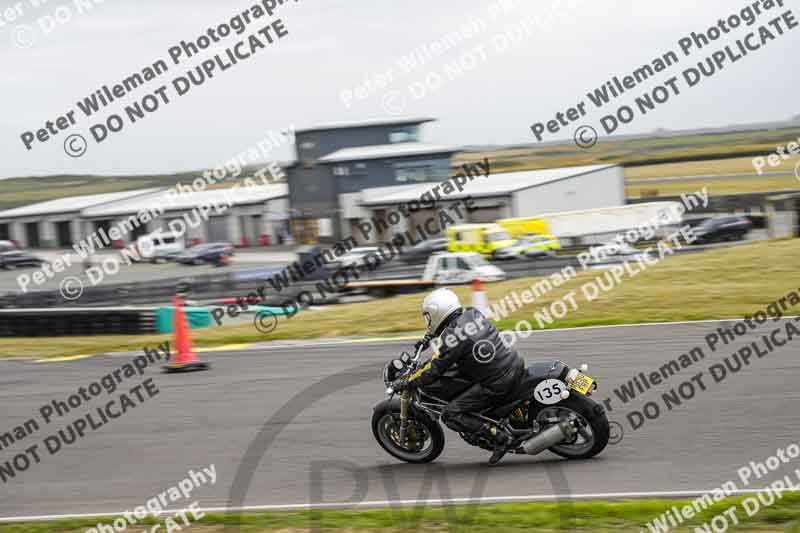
x: 587, y: 416
x: 424, y: 439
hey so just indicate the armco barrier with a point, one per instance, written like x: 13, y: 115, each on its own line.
x: 76, y: 321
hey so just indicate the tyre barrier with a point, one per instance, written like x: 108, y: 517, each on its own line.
x: 76, y: 321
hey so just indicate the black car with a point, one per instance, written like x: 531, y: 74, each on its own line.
x: 722, y: 229
x: 214, y: 253
x: 420, y: 252
x: 11, y: 259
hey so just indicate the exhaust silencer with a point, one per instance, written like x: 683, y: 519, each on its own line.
x: 548, y: 438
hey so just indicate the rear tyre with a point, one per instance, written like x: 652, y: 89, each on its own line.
x: 424, y: 439
x: 593, y: 432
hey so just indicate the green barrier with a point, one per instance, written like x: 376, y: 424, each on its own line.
x: 277, y: 311
x: 196, y: 317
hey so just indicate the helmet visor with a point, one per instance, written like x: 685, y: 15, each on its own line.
x: 427, y: 316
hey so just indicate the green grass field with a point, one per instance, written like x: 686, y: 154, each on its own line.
x: 578, y: 517
x: 722, y: 283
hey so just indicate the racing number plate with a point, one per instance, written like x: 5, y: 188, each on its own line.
x: 582, y: 383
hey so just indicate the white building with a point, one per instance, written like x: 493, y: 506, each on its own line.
x: 55, y: 223
x: 505, y: 195
x: 244, y: 218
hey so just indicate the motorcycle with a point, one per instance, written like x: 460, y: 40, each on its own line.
x: 551, y: 409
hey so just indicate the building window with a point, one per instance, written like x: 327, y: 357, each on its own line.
x: 325, y: 227
x: 420, y: 171
x: 308, y: 145
x: 403, y: 136
x: 360, y: 169
x: 341, y: 170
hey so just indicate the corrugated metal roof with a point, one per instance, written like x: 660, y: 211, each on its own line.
x: 71, y: 204
x: 366, y: 123
x: 381, y: 151
x: 495, y: 185
x: 189, y: 200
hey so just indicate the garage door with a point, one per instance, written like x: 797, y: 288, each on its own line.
x: 422, y: 216
x: 486, y: 214
x: 218, y: 229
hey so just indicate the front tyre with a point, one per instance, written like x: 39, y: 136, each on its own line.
x: 590, y: 419
x: 424, y: 440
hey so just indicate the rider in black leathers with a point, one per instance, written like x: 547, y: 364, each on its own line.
x: 468, y: 340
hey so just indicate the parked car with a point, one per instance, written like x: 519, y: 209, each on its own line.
x: 442, y: 268
x: 420, y: 253
x: 536, y: 245
x: 160, y: 246
x: 13, y: 258
x: 214, y: 253
x: 5, y: 246
x: 614, y: 253
x: 353, y: 258
x: 722, y: 229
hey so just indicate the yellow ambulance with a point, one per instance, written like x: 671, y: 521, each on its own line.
x: 532, y: 235
x: 491, y: 240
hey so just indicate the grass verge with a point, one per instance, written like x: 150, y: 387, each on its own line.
x: 716, y: 284
x: 716, y: 187
x: 736, y: 165
x: 584, y: 516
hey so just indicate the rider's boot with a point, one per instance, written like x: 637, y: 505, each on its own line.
x: 502, y: 442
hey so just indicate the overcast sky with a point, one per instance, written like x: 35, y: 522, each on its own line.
x: 333, y: 45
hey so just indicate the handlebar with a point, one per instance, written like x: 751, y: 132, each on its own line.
x: 415, y: 359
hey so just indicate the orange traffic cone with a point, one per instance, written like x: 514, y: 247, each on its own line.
x: 185, y: 360
x: 479, y: 300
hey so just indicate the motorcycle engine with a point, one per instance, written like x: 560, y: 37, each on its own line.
x: 474, y: 440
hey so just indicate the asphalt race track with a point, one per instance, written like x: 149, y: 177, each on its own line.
x: 318, y: 446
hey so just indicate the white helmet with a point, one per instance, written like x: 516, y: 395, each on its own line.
x: 437, y: 306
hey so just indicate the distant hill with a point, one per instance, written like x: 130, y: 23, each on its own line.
x: 15, y: 192
x: 659, y: 146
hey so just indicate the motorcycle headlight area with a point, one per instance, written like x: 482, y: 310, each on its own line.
x: 392, y: 369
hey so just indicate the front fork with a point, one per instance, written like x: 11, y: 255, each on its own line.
x: 405, y: 399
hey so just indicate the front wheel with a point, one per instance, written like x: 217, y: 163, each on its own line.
x: 424, y: 440
x: 589, y: 418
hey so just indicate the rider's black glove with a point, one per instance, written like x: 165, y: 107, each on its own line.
x: 423, y: 343
x: 400, y: 384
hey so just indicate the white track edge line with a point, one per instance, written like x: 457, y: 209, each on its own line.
x: 388, y: 503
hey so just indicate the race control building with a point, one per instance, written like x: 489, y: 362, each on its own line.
x: 350, y: 172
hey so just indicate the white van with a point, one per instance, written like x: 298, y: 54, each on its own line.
x: 160, y: 246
